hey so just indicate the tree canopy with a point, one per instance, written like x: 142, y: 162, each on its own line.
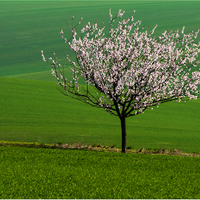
x: 130, y: 69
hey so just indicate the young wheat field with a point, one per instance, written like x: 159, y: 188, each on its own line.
x: 32, y: 109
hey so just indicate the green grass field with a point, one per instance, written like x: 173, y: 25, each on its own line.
x: 33, y: 110
x: 32, y: 26
x: 69, y: 174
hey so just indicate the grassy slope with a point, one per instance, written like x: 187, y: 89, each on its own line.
x: 28, y: 27
x: 36, y: 111
x: 61, y: 174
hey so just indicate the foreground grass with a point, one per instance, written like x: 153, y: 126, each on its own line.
x: 54, y: 173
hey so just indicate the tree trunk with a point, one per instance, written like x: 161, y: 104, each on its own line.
x: 123, y: 127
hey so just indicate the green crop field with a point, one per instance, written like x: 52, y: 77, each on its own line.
x: 31, y: 107
x: 70, y: 174
x: 32, y: 26
x: 35, y: 111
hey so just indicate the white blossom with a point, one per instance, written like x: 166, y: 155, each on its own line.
x: 131, y: 70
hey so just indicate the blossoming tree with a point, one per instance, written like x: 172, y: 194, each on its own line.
x: 129, y: 70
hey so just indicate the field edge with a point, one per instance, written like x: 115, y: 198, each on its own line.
x: 97, y: 147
